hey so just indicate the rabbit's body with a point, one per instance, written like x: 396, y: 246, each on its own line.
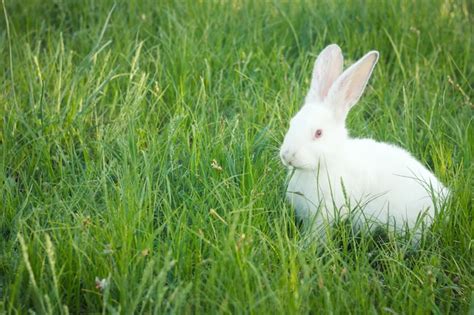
x: 396, y: 190
x: 332, y: 173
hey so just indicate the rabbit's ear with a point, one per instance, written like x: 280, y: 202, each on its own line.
x: 327, y: 68
x: 348, y: 88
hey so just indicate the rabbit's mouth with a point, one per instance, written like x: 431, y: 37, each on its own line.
x: 291, y: 167
x: 289, y: 164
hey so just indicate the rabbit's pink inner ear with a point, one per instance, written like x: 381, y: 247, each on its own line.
x: 327, y: 68
x: 348, y: 88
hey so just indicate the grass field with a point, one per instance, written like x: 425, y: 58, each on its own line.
x: 139, y: 144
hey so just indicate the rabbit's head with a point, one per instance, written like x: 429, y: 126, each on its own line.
x: 318, y: 129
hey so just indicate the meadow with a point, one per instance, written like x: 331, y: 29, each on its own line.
x: 139, y: 168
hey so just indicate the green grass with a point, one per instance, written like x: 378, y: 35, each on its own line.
x: 113, y: 112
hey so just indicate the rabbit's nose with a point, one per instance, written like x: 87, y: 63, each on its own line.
x: 286, y: 156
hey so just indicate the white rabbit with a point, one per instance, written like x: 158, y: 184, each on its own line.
x: 331, y: 172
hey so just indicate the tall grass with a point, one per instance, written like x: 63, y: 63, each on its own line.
x: 139, y: 168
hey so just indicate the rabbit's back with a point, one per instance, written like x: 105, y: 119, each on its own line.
x: 402, y: 186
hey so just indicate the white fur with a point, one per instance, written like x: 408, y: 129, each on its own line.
x: 334, y: 172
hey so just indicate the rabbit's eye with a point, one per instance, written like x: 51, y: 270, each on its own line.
x: 318, y: 133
